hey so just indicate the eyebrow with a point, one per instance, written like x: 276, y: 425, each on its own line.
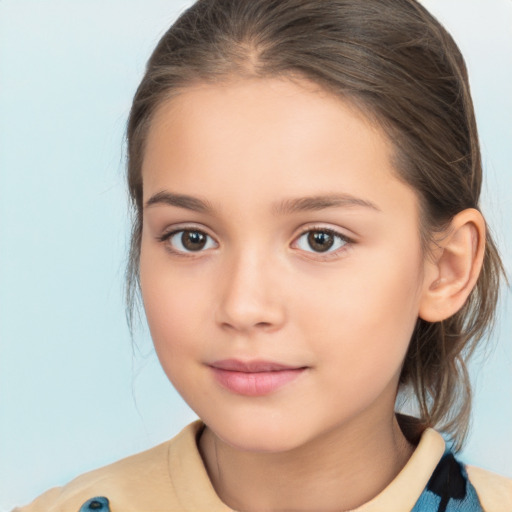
x: 179, y: 200
x: 284, y: 207
x: 320, y: 202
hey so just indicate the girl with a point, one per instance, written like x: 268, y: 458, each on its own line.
x: 308, y: 245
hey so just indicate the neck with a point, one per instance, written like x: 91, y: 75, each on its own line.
x: 339, y: 470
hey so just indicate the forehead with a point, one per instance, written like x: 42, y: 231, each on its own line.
x: 265, y: 137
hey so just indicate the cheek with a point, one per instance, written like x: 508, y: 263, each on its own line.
x: 363, y: 317
x: 172, y: 307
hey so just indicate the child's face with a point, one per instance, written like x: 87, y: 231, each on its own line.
x: 330, y: 288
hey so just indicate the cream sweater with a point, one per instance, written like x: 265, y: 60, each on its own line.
x: 172, y: 477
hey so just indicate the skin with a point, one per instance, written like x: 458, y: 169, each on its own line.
x: 329, y: 439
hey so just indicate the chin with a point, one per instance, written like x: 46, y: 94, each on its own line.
x: 259, y: 443
x: 258, y: 436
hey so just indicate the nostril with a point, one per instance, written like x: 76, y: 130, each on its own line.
x: 263, y: 324
x: 258, y: 325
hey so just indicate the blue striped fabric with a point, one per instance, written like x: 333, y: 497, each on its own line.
x: 449, y: 489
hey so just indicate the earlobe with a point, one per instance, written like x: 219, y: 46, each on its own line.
x: 454, y: 270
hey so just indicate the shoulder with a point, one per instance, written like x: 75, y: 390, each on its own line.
x: 494, y: 491
x: 120, y: 482
x: 140, y: 482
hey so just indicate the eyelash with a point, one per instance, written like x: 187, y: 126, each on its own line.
x: 335, y: 234
x: 318, y: 229
x: 168, y: 235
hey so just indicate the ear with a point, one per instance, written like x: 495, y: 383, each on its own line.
x: 452, y: 273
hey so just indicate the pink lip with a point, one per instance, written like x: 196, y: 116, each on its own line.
x: 253, y: 378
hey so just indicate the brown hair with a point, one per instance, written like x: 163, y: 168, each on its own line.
x: 395, y: 62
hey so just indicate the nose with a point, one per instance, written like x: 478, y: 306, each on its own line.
x: 250, y: 295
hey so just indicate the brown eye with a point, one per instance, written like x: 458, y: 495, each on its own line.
x: 189, y: 240
x: 193, y: 240
x: 321, y: 240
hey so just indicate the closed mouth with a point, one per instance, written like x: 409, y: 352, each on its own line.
x: 256, y: 366
x: 254, y: 378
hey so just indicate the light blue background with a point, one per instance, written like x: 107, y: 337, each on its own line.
x: 72, y: 394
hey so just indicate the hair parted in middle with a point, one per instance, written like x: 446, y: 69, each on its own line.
x: 394, y: 62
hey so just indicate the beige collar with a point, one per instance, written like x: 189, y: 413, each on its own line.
x: 186, y: 466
